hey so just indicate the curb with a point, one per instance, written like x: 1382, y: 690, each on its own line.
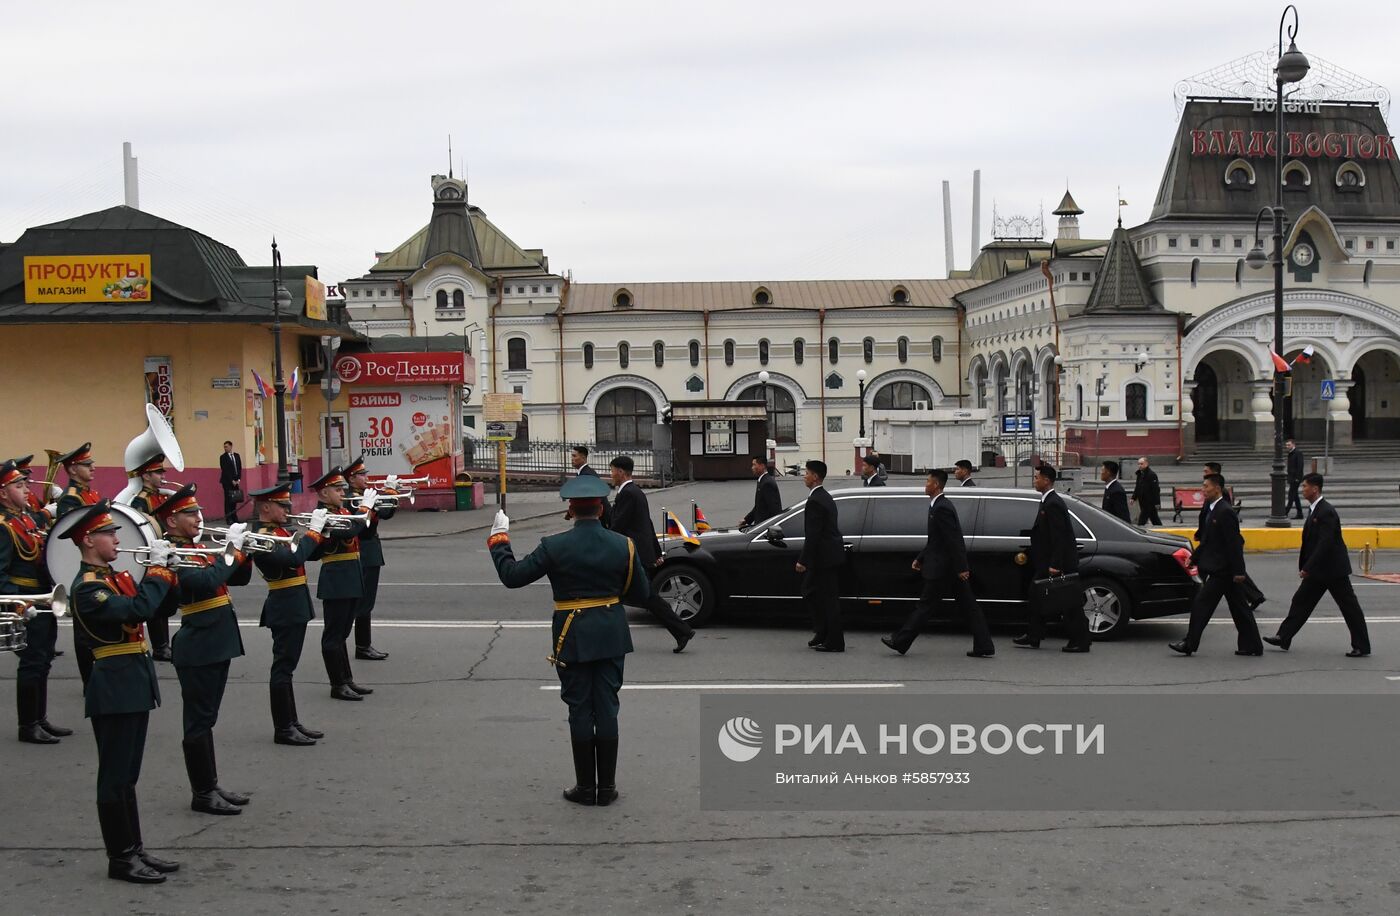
x: 1257, y: 540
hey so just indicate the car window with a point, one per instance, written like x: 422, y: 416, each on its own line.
x: 902, y: 515
x: 850, y: 513
x: 1007, y: 518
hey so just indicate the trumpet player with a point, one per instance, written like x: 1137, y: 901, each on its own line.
x: 22, y: 572
x: 288, y: 608
x: 152, y: 475
x: 340, y: 586
x: 371, y: 560
x: 207, y: 641
x: 78, y: 465
x: 112, y: 608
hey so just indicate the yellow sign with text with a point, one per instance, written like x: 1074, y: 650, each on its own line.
x: 315, y: 299
x: 87, y: 278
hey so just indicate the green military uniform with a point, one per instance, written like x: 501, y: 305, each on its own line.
x: 340, y: 587
x: 592, y: 572
x: 208, y: 639
x: 111, y: 608
x: 77, y: 496
x: 159, y: 627
x: 371, y: 562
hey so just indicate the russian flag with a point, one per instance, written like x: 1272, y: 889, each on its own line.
x: 701, y: 523
x: 1305, y: 357
x: 265, y: 391
x: 294, y: 388
x: 675, y: 529
x: 1280, y: 364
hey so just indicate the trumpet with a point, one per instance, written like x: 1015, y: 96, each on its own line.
x: 392, y: 500
x: 257, y: 542
x: 394, y: 482
x: 332, y: 521
x: 55, y: 602
x: 188, y: 556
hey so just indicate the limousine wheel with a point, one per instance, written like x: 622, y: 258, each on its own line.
x: 689, y: 592
x: 1107, y: 607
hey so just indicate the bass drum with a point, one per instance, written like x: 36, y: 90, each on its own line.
x: 133, y: 530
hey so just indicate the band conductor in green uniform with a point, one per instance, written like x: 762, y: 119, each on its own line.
x: 593, y: 572
x: 112, y: 608
x: 371, y: 561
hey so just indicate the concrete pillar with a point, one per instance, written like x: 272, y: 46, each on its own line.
x: 1261, y: 405
x: 1188, y: 419
x: 1340, y: 412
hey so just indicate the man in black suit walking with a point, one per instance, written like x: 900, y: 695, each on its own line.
x: 962, y: 470
x: 579, y: 459
x: 1323, y: 566
x: 766, y: 501
x: 943, y: 564
x: 231, y: 479
x: 1147, y: 493
x: 823, y: 555
x: 1054, y: 552
x: 870, y: 472
x: 1115, y: 498
x: 1219, y: 556
x: 631, y: 516
x: 1295, y: 477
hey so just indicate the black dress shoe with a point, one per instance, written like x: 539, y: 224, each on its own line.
x: 342, y: 692
x: 308, y: 732
x: 55, y: 730
x: 1073, y: 648
x: 1181, y: 647
x: 57, y: 653
x: 682, y: 641
x: 233, y: 798
x: 164, y: 866
x: 34, y: 734
x: 823, y: 647
x: 606, y: 796
x: 813, y: 642
x: 212, y: 802
x: 161, y: 654
x: 1025, y: 642
x: 582, y: 795
x: 890, y: 643
x: 1244, y: 652
x: 982, y: 653
x: 291, y: 736
x: 370, y: 654
x: 132, y: 869
x: 362, y: 691
x: 1277, y: 641
x: 1355, y: 653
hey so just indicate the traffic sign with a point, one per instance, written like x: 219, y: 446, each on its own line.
x: 1329, y: 390
x: 1016, y: 422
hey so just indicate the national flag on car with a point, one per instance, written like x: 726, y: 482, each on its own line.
x: 697, y: 518
x: 265, y: 390
x: 675, y: 529
x: 1305, y: 357
x: 1280, y: 364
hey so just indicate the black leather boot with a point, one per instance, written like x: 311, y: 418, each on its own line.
x: 123, y: 863
x: 27, y: 710
x: 233, y: 798
x: 296, y: 719
x: 585, y: 790
x: 349, y: 677
x: 283, y: 732
x: 607, y: 770
x: 44, y: 723
x: 133, y: 823
x: 202, y: 783
x: 339, y: 690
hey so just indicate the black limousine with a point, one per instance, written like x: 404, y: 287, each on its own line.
x: 1128, y: 573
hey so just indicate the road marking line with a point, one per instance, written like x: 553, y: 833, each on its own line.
x: 839, y: 686
x: 1389, y: 678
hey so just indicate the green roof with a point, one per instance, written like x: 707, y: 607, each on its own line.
x: 497, y: 251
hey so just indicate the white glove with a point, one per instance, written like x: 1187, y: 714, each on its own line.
x: 238, y: 534
x: 163, y: 554
x: 502, y: 523
x: 51, y: 508
x: 366, y: 502
x: 391, y: 482
x: 319, y: 518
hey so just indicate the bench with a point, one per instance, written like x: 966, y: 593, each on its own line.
x: 1192, y: 498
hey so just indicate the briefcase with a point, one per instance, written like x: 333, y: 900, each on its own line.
x: 1253, y: 595
x: 1058, y: 594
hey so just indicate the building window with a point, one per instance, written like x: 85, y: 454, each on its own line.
x: 534, y: 289
x: 625, y: 418
x: 1215, y: 242
x: 1073, y: 276
x: 903, y: 346
x: 900, y: 296
x: 833, y: 350
x: 782, y: 412
x: 355, y: 293
x: 515, y: 354
x: 549, y: 288
x: 442, y: 298
x: 867, y: 347
x: 588, y: 356
x: 1171, y: 242
x: 833, y: 424
x: 624, y: 355
x: 938, y: 349
x: 520, y: 290
x: 729, y: 352
x: 761, y: 296
x: 1390, y: 244
x: 719, y: 437
x: 901, y: 396
x: 1135, y: 401
x: 1195, y: 241
x: 658, y: 354
x: 695, y: 352
x: 1195, y: 270
x: 763, y: 352
x: 1079, y: 402
x: 1239, y: 243
x: 621, y: 299
x: 798, y: 351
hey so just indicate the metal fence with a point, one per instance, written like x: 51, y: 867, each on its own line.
x: 1013, y: 450
x: 544, y: 458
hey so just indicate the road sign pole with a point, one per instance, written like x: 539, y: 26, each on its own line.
x: 501, y: 474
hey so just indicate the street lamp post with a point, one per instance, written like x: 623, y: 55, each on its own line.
x: 1292, y: 67
x: 860, y: 377
x: 280, y: 298
x: 770, y: 432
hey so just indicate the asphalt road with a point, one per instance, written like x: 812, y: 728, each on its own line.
x: 440, y: 793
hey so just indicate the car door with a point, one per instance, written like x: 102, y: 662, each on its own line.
x: 1000, y: 555
x: 896, y: 530
x: 765, y: 569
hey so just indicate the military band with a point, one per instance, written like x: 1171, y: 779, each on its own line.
x: 371, y: 561
x: 339, y: 586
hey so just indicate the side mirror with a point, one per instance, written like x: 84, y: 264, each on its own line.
x: 774, y: 534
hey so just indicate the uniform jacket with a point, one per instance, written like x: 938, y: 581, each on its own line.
x: 111, y: 608
x: 22, y: 569
x: 1052, y: 538
x: 632, y: 517
x: 75, y: 497
x: 822, y: 547
x: 209, y: 636
x: 1115, y: 500
x: 587, y: 561
x: 289, y: 605
x: 945, y: 554
x: 1147, y: 490
x: 766, y: 502
x: 341, y: 574
x: 371, y: 550
x: 1324, y: 554
x: 1221, y: 546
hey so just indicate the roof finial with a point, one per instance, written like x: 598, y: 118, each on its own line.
x: 449, y: 156
x: 1121, y: 204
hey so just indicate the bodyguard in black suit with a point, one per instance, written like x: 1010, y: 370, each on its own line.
x: 870, y: 472
x: 1054, y: 552
x: 579, y: 459
x: 823, y: 555
x: 962, y: 470
x: 1323, y: 566
x: 231, y: 479
x: 631, y: 516
x: 943, y: 564
x: 1295, y: 478
x: 1147, y: 493
x: 766, y: 501
x: 1219, y: 556
x: 1115, y: 498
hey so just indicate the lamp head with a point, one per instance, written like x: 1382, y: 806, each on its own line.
x: 763, y: 376
x: 1293, y: 65
x: 1256, y: 257
x: 860, y: 375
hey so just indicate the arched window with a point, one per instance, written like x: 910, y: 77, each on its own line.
x: 695, y: 352
x: 798, y: 351
x: 658, y: 354
x: 904, y: 349
x: 1079, y: 402
x: 442, y: 298
x: 763, y: 352
x: 782, y: 412
x: 938, y: 349
x: 1195, y: 270
x: 833, y: 350
x: 459, y: 299
x: 625, y: 418
x: 1023, y: 388
x: 1296, y: 176
x: 979, y: 385
x: 1366, y: 273
x: 515, y: 355
x: 1135, y: 401
x: 900, y: 296
x: 624, y: 355
x: 761, y: 296
x: 588, y: 356
x: 1239, y: 271
x: 867, y: 347
x: 729, y: 352
x: 901, y: 396
x: 622, y: 299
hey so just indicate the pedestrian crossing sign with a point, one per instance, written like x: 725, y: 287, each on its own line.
x: 1329, y: 389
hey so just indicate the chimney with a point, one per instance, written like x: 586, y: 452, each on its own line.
x: 947, y: 229
x: 976, y: 213
x: 132, y: 193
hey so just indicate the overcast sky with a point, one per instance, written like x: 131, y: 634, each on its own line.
x: 632, y: 141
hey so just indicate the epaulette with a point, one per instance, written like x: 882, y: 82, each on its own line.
x: 91, y: 577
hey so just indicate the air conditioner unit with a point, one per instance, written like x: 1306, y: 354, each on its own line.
x: 921, y: 405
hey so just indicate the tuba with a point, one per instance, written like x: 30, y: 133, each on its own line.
x: 158, y: 439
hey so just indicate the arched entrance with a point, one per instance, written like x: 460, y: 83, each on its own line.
x: 1375, y: 396
x: 1205, y: 404
x: 1221, y: 401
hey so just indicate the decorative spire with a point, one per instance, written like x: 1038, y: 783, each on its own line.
x: 1120, y: 286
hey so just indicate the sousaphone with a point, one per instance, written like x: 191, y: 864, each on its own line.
x: 158, y: 439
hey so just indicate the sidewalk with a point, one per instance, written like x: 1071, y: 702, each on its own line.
x: 410, y: 523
